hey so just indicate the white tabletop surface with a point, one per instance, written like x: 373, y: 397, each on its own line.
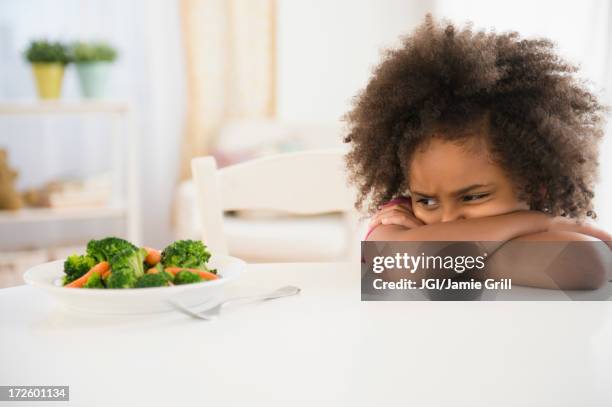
x: 323, y: 347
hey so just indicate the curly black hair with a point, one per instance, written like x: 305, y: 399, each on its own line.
x: 543, y: 125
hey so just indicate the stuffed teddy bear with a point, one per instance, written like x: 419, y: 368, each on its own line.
x: 9, y: 197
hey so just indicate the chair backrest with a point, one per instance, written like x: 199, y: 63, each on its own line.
x: 305, y: 183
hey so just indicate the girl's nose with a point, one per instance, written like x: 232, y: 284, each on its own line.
x: 450, y: 214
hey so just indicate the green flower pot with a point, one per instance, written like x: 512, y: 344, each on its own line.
x: 49, y: 78
x: 93, y: 77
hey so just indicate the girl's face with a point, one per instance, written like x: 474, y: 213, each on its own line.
x: 450, y: 181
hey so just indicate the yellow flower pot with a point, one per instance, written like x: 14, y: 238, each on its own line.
x: 48, y: 79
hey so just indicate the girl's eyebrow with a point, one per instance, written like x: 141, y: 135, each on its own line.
x: 456, y: 193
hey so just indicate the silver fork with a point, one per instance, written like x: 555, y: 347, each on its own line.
x: 214, y: 312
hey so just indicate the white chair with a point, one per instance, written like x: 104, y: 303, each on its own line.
x: 299, y: 183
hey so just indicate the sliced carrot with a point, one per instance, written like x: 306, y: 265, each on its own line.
x: 152, y: 270
x: 105, y: 273
x: 153, y: 256
x: 101, y: 268
x: 206, y: 275
x: 174, y: 270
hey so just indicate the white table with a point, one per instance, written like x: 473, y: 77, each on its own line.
x: 323, y: 347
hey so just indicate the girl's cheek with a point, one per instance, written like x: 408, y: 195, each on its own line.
x: 491, y: 208
x: 427, y: 217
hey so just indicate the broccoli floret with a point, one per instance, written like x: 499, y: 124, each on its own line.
x: 75, y: 266
x: 126, y: 267
x: 94, y: 281
x: 186, y: 253
x: 121, y: 279
x: 105, y: 249
x: 152, y: 280
x: 186, y: 277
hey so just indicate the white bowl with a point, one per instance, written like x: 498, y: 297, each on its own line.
x: 48, y: 277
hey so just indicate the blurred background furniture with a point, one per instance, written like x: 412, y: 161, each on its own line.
x: 266, y: 235
x: 294, y: 205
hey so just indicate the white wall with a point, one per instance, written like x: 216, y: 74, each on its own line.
x: 326, y: 50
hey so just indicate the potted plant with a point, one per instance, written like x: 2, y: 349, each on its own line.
x: 48, y: 60
x: 93, y: 61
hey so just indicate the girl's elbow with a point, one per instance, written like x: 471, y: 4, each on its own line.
x: 587, y: 261
x: 595, y: 268
x: 598, y: 275
x: 593, y: 280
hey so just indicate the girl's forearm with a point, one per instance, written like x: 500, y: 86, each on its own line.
x: 500, y: 228
x: 487, y: 234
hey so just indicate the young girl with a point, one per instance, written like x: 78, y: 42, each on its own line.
x: 477, y: 136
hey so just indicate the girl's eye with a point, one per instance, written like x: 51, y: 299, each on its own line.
x: 475, y: 197
x: 427, y: 202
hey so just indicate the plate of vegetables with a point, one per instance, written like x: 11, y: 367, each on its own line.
x: 115, y: 276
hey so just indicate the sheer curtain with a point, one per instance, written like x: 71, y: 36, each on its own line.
x: 230, y: 51
x: 582, y: 32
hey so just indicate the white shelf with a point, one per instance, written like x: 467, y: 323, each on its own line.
x: 61, y: 107
x: 123, y: 123
x: 29, y: 215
